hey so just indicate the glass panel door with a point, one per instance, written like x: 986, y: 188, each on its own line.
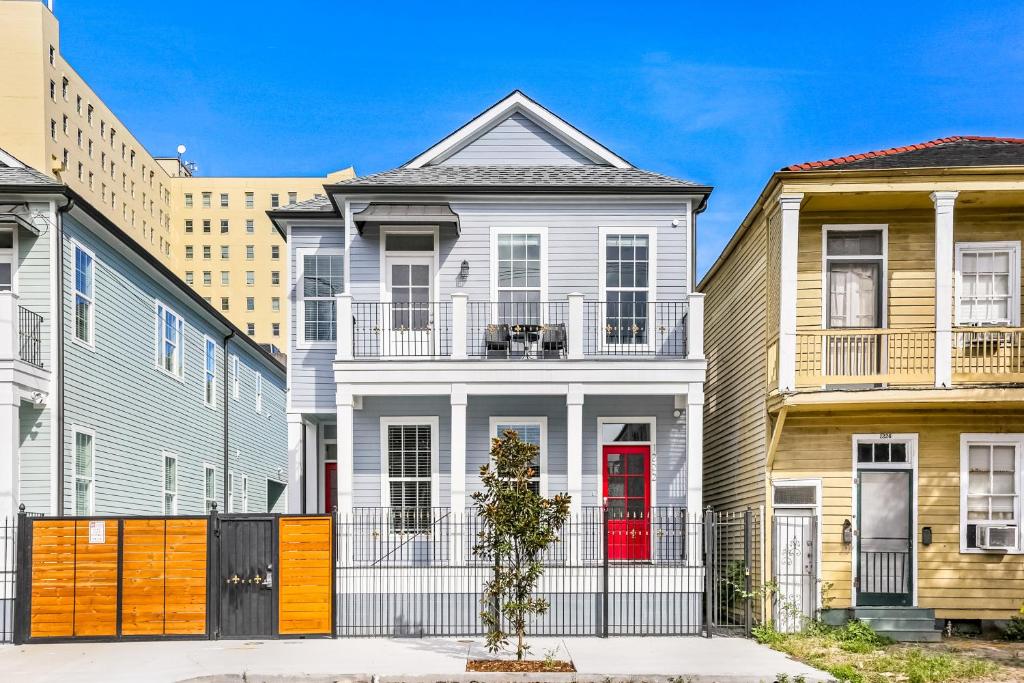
x: 885, y: 560
x: 627, y: 492
x: 410, y: 319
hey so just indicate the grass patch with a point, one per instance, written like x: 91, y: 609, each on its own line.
x: 855, y: 654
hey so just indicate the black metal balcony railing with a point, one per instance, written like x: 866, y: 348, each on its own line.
x: 534, y: 329
x: 30, y: 343
x: 401, y: 329
x: 635, y: 328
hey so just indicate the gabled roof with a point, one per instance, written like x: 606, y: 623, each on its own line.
x: 514, y: 102
x: 955, y: 151
x: 14, y: 172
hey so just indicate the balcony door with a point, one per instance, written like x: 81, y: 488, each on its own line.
x: 854, y: 266
x: 6, y: 260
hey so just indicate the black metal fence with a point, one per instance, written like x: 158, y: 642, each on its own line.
x: 8, y: 576
x: 30, y: 344
x: 522, y: 329
x: 735, y: 590
x: 635, y: 328
x: 401, y: 329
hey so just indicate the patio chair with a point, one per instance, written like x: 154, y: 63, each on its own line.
x: 496, y: 341
x: 553, y: 341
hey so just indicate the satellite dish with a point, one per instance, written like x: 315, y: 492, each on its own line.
x: 181, y: 149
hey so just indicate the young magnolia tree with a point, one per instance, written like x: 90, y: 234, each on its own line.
x: 518, y: 525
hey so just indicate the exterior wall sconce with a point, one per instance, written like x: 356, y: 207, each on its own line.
x: 847, y: 532
x: 926, y: 535
x: 463, y: 275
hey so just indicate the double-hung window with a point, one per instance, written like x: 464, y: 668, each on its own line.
x: 990, y: 490
x: 235, y: 379
x: 85, y: 267
x: 988, y: 283
x: 322, y: 280
x: 245, y: 493
x: 170, y: 341
x: 170, y: 484
x: 628, y: 272
x: 532, y: 430
x: 209, y: 486
x: 210, y: 374
x: 85, y: 467
x: 409, y: 459
x: 259, y: 392
x: 229, y: 492
x: 517, y: 264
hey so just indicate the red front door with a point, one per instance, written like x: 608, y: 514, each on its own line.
x: 627, y: 490
x: 330, y: 485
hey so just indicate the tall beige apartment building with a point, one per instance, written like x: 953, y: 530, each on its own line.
x: 212, y: 231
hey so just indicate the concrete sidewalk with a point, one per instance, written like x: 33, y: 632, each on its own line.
x: 694, y: 660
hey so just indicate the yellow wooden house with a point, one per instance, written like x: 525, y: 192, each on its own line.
x: 866, y: 384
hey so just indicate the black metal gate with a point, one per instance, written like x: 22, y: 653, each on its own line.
x: 247, y: 594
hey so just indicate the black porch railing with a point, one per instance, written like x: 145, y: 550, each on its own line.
x: 30, y: 344
x: 635, y: 328
x: 527, y: 329
x: 401, y: 329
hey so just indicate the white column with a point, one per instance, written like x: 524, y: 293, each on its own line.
x: 344, y: 327
x: 295, y: 456
x: 790, y: 207
x: 695, y: 448
x: 574, y: 445
x: 313, y: 499
x: 695, y: 327
x: 459, y: 306
x: 8, y: 326
x: 944, y: 287
x: 458, y: 472
x: 574, y: 329
x: 346, y: 451
x: 10, y: 434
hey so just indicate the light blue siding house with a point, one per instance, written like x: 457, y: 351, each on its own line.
x: 122, y: 391
x: 517, y: 274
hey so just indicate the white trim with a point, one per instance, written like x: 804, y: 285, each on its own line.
x: 385, y: 230
x: 1012, y: 246
x: 164, y: 455
x: 653, y: 483
x: 1007, y: 439
x: 883, y: 300
x: 245, y: 493
x: 229, y: 490
x: 259, y: 392
x: 435, y: 458
x: 300, y: 300
x: 180, y: 349
x: 321, y: 462
x: 541, y: 422
x: 911, y: 440
x: 207, y: 467
x: 209, y: 343
x: 91, y: 342
x: 817, y: 508
x: 13, y: 253
x: 493, y: 259
x: 75, y: 431
x: 236, y: 380
x: 652, y: 281
x: 517, y: 102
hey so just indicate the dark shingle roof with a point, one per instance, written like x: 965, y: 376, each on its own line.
x: 959, y: 150
x: 521, y: 177
x: 13, y: 172
x: 317, y: 203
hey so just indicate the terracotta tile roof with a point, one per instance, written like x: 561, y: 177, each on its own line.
x: 957, y: 150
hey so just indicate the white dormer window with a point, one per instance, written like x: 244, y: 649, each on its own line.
x: 988, y: 283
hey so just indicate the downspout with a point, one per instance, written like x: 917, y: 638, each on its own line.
x: 226, y: 431
x: 693, y: 242
x: 59, y: 370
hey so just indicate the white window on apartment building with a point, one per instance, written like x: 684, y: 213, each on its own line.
x: 85, y: 471
x: 532, y: 430
x: 207, y: 252
x: 210, y: 373
x: 517, y: 267
x: 170, y: 336
x: 322, y: 280
x: 628, y: 273
x: 250, y: 226
x: 189, y: 277
x: 225, y: 252
x: 293, y: 197
x: 409, y: 461
x: 209, y: 486
x: 988, y: 283
x: 250, y: 252
x: 990, y: 487
x: 275, y: 251
x: 223, y: 200
x: 224, y: 226
x: 225, y: 277
x: 250, y: 329
x: 250, y: 200
x: 206, y: 200
x: 170, y: 477
x: 275, y: 303
x: 85, y: 265
x: 275, y: 200
x: 275, y: 329
x: 207, y: 278
x: 250, y: 278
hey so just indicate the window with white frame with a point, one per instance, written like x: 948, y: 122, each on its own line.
x: 170, y: 336
x: 259, y: 392
x: 209, y: 486
x: 235, y: 379
x: 410, y: 452
x: 85, y: 468
x: 988, y: 283
x: 245, y: 493
x: 532, y: 430
x: 854, y: 261
x: 990, y: 485
x: 322, y: 280
x: 210, y: 373
x: 85, y: 267
x: 628, y: 272
x: 229, y: 491
x: 518, y: 264
x: 170, y: 484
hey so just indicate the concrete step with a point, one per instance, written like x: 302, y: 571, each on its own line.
x: 932, y: 636
x: 883, y: 624
x: 894, y: 612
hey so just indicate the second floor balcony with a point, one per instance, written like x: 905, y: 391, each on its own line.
x: 571, y: 329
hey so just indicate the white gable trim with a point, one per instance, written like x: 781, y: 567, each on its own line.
x: 518, y: 102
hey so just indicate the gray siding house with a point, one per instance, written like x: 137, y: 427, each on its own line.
x: 517, y: 274
x: 121, y: 390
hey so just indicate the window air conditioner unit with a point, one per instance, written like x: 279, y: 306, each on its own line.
x: 997, y: 537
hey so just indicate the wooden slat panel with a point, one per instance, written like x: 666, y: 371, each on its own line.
x: 186, y: 577
x: 96, y: 581
x: 53, y: 579
x: 304, y: 585
x: 142, y: 597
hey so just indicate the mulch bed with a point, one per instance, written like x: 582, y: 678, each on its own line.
x: 514, y: 666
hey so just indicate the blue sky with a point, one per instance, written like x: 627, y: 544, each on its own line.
x: 720, y: 93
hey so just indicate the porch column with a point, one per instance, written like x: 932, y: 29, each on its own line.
x: 312, y: 470
x: 575, y: 330
x: 944, y: 275
x: 295, y: 456
x: 10, y: 434
x: 789, y: 205
x: 574, y: 446
x: 695, y: 448
x: 458, y: 473
x: 459, y: 308
x: 346, y: 451
x: 344, y: 326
